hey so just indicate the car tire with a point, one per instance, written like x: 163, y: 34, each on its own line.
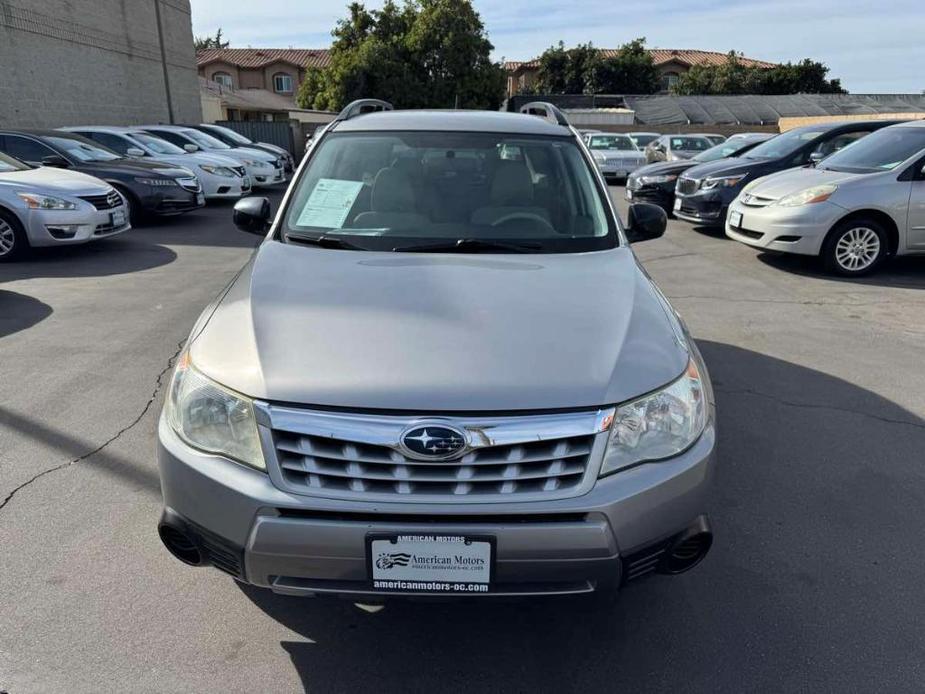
x: 855, y: 247
x: 13, y: 241
x: 132, y: 204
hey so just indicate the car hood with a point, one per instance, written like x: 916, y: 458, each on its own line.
x: 782, y: 183
x: 722, y: 167
x: 54, y: 180
x: 246, y: 153
x: 213, y: 158
x: 440, y: 333
x: 130, y: 167
x: 662, y: 168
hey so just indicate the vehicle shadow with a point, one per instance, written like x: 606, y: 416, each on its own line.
x: 813, y: 490
x: 116, y: 256
x: 19, y: 311
x: 905, y: 272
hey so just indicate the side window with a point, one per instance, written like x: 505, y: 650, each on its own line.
x: 26, y: 149
x: 113, y: 142
x: 832, y: 145
x: 176, y: 139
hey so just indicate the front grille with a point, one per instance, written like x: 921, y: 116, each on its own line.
x: 107, y: 201
x: 239, y: 170
x: 747, y: 232
x: 687, y: 186
x: 532, y: 458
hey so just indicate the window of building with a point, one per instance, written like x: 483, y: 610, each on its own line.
x: 223, y: 78
x: 282, y: 83
x: 669, y: 79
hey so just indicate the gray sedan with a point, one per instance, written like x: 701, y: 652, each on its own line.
x: 51, y: 207
x: 676, y: 147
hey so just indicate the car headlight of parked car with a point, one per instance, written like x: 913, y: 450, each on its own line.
x: 35, y: 201
x: 659, y: 425
x: 722, y: 182
x: 212, y: 418
x: 808, y: 196
x: 257, y: 164
x: 218, y: 170
x: 661, y: 178
x: 156, y: 182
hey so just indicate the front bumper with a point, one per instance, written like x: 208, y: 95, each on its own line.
x: 801, y: 230
x: 171, y: 201
x: 68, y: 227
x: 707, y: 208
x: 224, y: 187
x: 268, y: 177
x: 618, y: 169
x: 298, y: 544
x: 655, y: 194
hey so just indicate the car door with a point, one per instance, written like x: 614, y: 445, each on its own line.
x: 916, y: 236
x: 27, y: 149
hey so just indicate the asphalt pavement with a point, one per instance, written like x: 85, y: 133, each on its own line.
x: 814, y: 582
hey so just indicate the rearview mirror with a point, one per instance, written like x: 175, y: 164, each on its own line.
x: 190, y: 148
x: 252, y: 215
x: 56, y: 160
x: 645, y: 222
x: 135, y: 152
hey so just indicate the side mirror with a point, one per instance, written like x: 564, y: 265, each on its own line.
x: 645, y: 222
x: 191, y: 148
x: 57, y: 161
x: 815, y: 158
x: 135, y: 152
x: 252, y: 215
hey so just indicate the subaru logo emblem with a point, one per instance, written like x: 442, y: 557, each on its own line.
x: 433, y: 441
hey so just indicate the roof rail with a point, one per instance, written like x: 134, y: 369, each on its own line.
x: 361, y: 106
x: 545, y: 110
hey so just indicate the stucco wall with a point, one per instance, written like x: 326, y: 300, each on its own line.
x: 95, y: 62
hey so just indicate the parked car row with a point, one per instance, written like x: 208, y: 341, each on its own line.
x: 852, y: 193
x: 77, y: 184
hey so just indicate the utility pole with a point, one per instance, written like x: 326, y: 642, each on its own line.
x: 160, y: 41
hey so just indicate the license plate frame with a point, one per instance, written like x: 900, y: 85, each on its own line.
x: 411, y: 578
x: 677, y: 204
x: 117, y: 219
x: 735, y: 219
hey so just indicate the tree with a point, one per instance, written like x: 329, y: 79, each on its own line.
x: 424, y: 53
x: 806, y: 77
x: 631, y: 71
x: 201, y: 43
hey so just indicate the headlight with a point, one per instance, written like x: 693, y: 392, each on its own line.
x: 212, y: 418
x: 808, y: 196
x: 663, y: 178
x: 46, y: 202
x: 218, y: 170
x: 157, y: 182
x: 722, y: 182
x: 658, y: 426
x: 256, y: 164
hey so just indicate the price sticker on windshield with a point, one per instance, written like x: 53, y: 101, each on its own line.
x: 330, y: 203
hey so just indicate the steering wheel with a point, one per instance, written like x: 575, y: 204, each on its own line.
x: 529, y: 216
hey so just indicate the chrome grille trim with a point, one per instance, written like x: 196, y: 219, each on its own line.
x: 751, y: 200
x: 687, y: 186
x: 359, y: 456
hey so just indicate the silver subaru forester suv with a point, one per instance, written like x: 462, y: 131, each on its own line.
x: 442, y: 372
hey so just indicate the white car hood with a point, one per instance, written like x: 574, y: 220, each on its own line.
x: 213, y: 158
x: 782, y: 183
x: 53, y: 180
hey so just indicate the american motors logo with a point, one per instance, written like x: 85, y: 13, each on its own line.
x: 387, y: 560
x: 390, y: 560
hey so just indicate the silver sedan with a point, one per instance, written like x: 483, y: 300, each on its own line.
x: 53, y: 207
x: 856, y: 208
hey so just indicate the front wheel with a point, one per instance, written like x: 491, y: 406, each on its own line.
x: 855, y: 248
x: 13, y: 242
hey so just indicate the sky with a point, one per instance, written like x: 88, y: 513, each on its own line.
x: 874, y: 47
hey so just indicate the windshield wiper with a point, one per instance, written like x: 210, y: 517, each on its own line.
x: 324, y: 241
x: 468, y: 246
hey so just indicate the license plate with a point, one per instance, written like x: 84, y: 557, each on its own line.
x: 677, y: 204
x: 200, y: 199
x: 117, y: 218
x: 735, y: 219
x: 629, y: 195
x: 430, y: 563
x: 246, y: 183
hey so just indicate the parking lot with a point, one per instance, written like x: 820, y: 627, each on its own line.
x: 813, y: 583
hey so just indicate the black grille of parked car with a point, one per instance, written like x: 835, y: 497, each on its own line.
x: 107, y: 201
x: 190, y: 184
x: 686, y: 186
x: 239, y: 170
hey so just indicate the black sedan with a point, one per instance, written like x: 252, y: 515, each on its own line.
x: 703, y: 193
x: 148, y: 187
x: 654, y: 183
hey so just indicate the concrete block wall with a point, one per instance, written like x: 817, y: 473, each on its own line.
x: 82, y: 62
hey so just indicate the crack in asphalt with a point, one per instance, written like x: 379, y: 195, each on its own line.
x: 818, y: 406
x: 665, y: 257
x: 158, y: 383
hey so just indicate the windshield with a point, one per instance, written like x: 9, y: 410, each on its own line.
x: 450, y: 191
x: 642, y: 140
x: 689, y: 144
x: 785, y: 144
x: 156, y: 144
x: 83, y: 150
x: 205, y: 141
x: 8, y: 163
x: 621, y: 142
x: 721, y: 151
x: 230, y: 134
x: 883, y: 150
